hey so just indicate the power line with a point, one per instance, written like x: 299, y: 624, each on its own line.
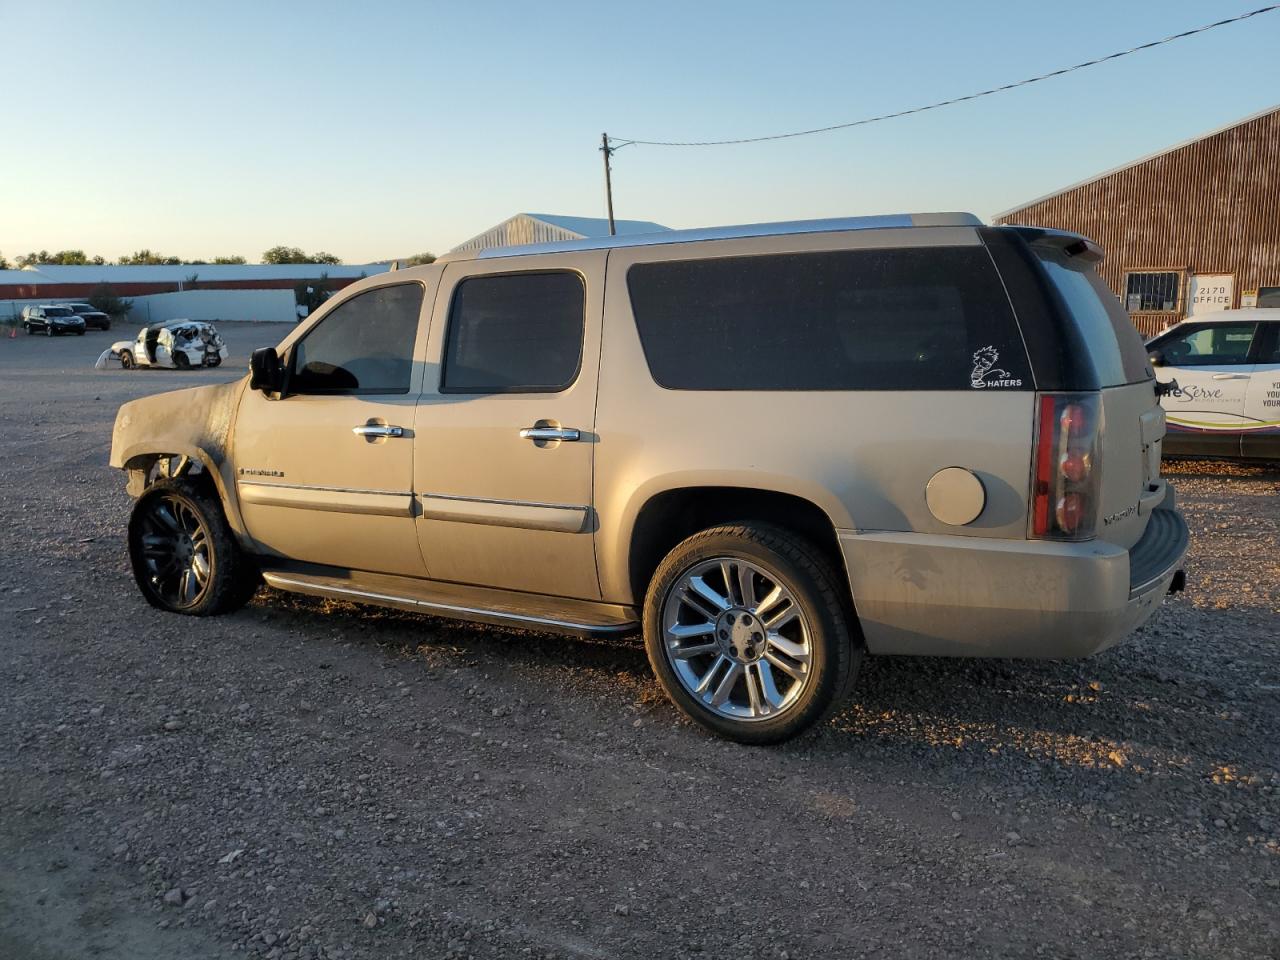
x: 617, y: 143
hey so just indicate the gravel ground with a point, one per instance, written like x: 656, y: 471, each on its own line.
x: 311, y: 779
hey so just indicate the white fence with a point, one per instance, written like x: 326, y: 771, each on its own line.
x: 277, y: 306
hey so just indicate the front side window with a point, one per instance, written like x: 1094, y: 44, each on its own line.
x: 514, y: 333
x: 363, y: 346
x: 1223, y: 343
x: 897, y: 319
x: 1148, y: 292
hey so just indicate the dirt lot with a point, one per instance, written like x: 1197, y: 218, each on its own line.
x: 319, y: 780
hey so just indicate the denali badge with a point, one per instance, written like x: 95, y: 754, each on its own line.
x: 983, y: 363
x: 253, y: 472
x: 1128, y: 511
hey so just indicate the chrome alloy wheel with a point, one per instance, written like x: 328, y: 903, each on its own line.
x: 737, y: 639
x: 175, y: 551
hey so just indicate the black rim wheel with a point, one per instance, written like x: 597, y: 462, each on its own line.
x: 176, y: 555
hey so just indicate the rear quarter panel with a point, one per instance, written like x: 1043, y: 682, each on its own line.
x: 863, y: 457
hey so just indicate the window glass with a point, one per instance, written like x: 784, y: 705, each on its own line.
x: 1152, y: 291
x: 514, y: 333
x: 1269, y: 333
x: 909, y: 319
x: 1220, y: 343
x: 1118, y: 351
x: 363, y: 346
x: 1269, y: 296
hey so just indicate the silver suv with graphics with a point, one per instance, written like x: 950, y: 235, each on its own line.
x: 773, y: 449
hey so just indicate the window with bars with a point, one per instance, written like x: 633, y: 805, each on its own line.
x: 1156, y: 292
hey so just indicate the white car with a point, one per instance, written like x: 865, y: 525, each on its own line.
x: 1227, y: 368
x: 178, y: 343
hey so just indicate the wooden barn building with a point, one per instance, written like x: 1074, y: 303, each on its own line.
x: 1186, y: 231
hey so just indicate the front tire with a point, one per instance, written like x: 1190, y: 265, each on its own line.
x: 748, y: 630
x: 180, y: 361
x: 126, y: 359
x: 48, y: 330
x: 185, y: 558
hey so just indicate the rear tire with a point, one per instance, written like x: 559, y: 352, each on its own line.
x: 748, y: 629
x: 184, y: 556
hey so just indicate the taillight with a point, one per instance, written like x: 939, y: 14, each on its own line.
x: 1065, y: 477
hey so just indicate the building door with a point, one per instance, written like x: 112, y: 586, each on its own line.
x: 506, y: 434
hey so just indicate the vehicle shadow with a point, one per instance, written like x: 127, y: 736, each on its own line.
x: 1135, y: 710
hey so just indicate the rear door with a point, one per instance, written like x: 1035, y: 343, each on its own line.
x: 1262, y: 396
x: 506, y: 425
x: 1212, y: 364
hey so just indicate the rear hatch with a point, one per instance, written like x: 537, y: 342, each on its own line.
x: 1133, y: 424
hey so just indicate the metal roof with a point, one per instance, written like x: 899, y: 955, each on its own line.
x: 729, y: 233
x: 8, y: 277
x: 598, y: 226
x: 1133, y: 163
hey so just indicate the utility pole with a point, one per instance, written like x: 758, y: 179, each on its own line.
x: 608, y: 179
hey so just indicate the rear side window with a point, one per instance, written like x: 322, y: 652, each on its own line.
x: 365, y: 345
x: 514, y: 333
x: 902, y: 319
x: 1119, y: 355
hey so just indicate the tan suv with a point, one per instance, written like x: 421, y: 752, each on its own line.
x: 774, y: 448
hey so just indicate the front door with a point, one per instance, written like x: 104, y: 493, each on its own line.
x: 1212, y: 365
x: 325, y: 471
x: 506, y: 426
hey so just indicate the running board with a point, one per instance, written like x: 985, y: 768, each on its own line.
x: 583, y: 618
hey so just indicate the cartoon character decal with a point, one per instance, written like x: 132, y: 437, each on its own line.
x: 987, y: 374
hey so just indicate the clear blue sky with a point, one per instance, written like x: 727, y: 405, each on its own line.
x: 383, y: 129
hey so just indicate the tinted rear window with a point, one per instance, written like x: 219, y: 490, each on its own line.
x: 1119, y: 355
x: 909, y: 319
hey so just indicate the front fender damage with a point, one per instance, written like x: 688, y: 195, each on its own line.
x: 178, y: 431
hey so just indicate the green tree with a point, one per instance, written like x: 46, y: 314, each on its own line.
x: 104, y: 298
x: 31, y: 259
x: 236, y: 258
x: 418, y: 259
x: 4, y: 264
x: 148, y: 257
x: 283, y: 254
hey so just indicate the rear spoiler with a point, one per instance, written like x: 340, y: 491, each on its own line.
x: 1071, y: 245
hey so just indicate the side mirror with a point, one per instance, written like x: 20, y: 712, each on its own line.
x: 1156, y: 358
x: 265, y: 372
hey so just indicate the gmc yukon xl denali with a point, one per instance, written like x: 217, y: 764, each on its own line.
x: 773, y: 449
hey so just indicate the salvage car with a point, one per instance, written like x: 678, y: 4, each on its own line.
x: 179, y: 343
x: 772, y: 449
x: 1222, y: 377
x: 92, y: 316
x: 49, y: 319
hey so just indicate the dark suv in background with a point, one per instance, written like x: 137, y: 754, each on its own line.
x: 92, y: 316
x: 50, y: 320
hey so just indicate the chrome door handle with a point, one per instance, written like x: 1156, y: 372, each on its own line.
x: 377, y: 430
x: 550, y: 433
x: 1231, y: 376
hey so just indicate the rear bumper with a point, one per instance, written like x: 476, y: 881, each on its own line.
x: 928, y: 595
